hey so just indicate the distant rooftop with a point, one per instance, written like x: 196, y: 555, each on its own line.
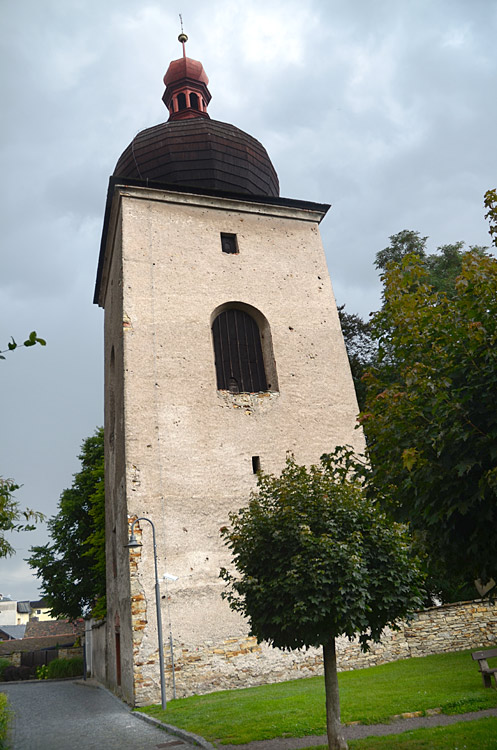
x: 12, y: 632
x: 40, y: 604
x: 60, y: 628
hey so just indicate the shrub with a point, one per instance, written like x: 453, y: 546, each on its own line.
x: 12, y: 674
x: 4, y: 721
x: 42, y: 672
x: 3, y: 663
x: 59, y: 668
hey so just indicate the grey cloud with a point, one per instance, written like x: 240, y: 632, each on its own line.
x: 386, y: 110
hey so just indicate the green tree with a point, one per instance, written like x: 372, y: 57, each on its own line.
x: 12, y: 517
x: 315, y: 560
x: 430, y: 416
x: 72, y: 566
x: 361, y: 349
x: 442, y: 268
x: 406, y: 242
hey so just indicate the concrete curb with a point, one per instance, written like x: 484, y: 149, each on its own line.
x: 182, y: 734
x: 41, y: 682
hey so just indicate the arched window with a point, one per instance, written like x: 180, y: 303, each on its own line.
x: 181, y: 101
x: 238, y: 353
x: 194, y: 101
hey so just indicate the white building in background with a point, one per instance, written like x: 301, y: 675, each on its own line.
x: 21, y: 612
x: 8, y: 610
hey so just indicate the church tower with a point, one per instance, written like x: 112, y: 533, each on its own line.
x: 223, y: 351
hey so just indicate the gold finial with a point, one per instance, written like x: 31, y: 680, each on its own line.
x: 182, y: 37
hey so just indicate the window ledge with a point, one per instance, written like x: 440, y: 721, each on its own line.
x: 249, y: 402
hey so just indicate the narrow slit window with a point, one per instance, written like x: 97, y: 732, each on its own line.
x: 256, y: 464
x: 229, y: 244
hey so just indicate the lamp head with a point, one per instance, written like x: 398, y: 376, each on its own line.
x: 133, y: 542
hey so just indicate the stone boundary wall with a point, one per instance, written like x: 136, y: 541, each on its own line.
x: 451, y: 627
x: 14, y: 658
x: 241, y: 662
x: 70, y: 653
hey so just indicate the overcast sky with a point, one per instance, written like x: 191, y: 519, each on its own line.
x: 387, y: 110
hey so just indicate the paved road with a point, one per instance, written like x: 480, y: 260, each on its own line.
x: 69, y: 715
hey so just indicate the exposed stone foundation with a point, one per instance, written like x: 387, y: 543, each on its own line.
x: 242, y: 662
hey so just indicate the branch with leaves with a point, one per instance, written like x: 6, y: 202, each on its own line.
x: 32, y: 340
x: 491, y: 215
x: 12, y: 517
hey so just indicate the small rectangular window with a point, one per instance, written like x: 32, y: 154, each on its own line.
x: 229, y: 243
x: 256, y: 464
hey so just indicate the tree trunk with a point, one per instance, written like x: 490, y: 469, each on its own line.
x: 336, y: 740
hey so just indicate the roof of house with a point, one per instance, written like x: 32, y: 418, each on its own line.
x: 23, y: 607
x: 39, y: 604
x: 59, y: 628
x: 12, y: 631
x: 37, y: 644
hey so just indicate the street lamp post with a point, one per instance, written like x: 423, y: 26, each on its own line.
x: 132, y: 544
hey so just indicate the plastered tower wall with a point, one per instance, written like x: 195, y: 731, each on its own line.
x: 181, y: 452
x: 119, y: 633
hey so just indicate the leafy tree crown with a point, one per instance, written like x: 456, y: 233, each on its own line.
x: 315, y: 559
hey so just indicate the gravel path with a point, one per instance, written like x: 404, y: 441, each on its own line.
x: 67, y: 715
x: 359, y: 731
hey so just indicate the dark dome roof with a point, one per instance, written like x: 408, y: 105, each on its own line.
x: 201, y: 153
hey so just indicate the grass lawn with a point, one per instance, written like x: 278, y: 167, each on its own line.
x: 473, y: 735
x: 296, y: 708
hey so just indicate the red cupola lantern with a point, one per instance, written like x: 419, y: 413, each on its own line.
x: 186, y: 93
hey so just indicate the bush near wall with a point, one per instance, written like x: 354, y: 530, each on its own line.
x: 3, y: 663
x: 4, y: 721
x: 60, y: 668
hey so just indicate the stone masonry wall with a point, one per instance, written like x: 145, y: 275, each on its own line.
x: 241, y: 662
x: 70, y: 653
x: 451, y: 627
